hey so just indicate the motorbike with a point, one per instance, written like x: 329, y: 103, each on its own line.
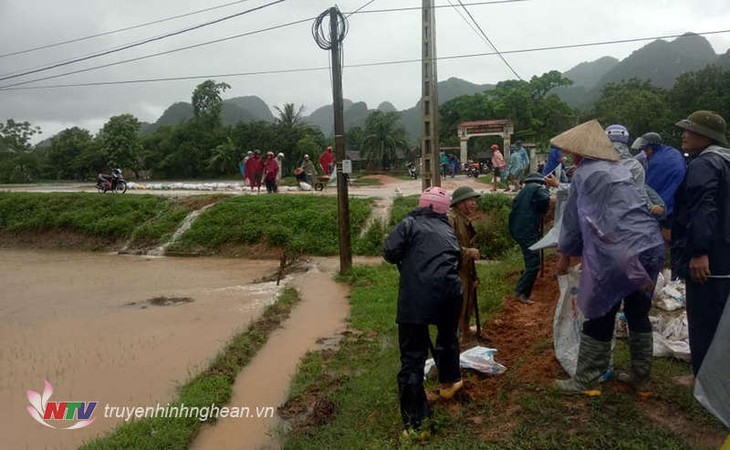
x: 114, y: 183
x: 473, y: 171
x: 412, y: 170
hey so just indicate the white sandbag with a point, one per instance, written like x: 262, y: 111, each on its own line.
x: 482, y: 360
x: 671, y: 296
x: 303, y: 185
x: 671, y: 337
x: 567, y: 322
x: 477, y: 358
x: 568, y: 325
x: 712, y: 386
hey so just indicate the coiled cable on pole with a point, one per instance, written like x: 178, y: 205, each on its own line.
x: 322, y: 35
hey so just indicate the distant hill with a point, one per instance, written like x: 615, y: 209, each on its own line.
x: 660, y: 62
x: 447, y: 90
x: 386, y: 107
x: 238, y: 109
x: 585, y: 76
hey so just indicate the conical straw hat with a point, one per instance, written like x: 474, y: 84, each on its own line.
x: 588, y: 140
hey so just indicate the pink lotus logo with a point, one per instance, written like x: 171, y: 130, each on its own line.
x: 43, y: 410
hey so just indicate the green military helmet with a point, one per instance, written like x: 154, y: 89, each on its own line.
x: 706, y: 123
x: 462, y: 193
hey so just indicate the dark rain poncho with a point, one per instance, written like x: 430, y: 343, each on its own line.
x: 606, y: 222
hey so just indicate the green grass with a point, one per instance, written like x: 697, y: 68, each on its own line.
x: 304, y: 224
x: 146, y: 219
x: 365, y: 180
x: 359, y: 380
x: 493, y: 238
x: 212, y: 386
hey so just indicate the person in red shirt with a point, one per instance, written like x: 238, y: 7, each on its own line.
x: 271, y: 168
x: 255, y: 169
x: 327, y: 161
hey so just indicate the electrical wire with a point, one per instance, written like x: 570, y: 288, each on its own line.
x: 137, y: 44
x: 132, y: 27
x: 494, y: 47
x: 321, y: 36
x: 347, y: 16
x: 360, y: 65
x: 463, y: 17
x: 153, y: 55
x: 414, y: 8
x: 358, y: 11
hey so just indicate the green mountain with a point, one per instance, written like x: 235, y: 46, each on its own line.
x: 447, y: 90
x: 238, y: 109
x: 585, y: 76
x: 660, y: 62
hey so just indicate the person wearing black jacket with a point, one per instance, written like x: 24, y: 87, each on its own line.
x: 424, y: 248
x: 700, y: 244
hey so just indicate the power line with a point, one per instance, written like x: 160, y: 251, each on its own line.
x: 124, y: 61
x: 419, y: 8
x: 463, y: 17
x: 132, y: 27
x: 371, y: 64
x: 137, y: 44
x: 358, y: 11
x: 494, y: 47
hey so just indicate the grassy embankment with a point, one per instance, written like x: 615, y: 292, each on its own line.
x: 91, y: 221
x: 359, y: 382
x: 249, y: 225
x: 356, y: 389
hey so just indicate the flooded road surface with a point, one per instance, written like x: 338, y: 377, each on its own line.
x: 83, y: 322
x: 263, y: 385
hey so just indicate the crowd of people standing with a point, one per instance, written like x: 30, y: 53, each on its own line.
x: 623, y: 210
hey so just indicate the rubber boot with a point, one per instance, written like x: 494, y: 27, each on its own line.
x: 448, y: 390
x: 593, y: 359
x: 641, y: 348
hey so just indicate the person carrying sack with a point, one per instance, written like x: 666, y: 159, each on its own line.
x: 607, y: 223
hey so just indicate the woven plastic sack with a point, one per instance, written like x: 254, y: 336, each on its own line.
x: 568, y: 324
x: 712, y: 386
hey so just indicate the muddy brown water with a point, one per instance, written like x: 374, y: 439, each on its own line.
x: 83, y: 322
x: 263, y: 385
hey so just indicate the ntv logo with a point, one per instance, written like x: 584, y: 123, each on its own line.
x: 42, y: 410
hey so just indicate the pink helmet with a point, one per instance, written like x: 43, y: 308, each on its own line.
x: 435, y: 197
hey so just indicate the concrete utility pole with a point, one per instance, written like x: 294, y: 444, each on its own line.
x: 336, y: 35
x: 430, y: 164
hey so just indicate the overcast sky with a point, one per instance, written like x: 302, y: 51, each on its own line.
x: 373, y: 37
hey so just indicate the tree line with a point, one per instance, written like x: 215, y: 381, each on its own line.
x: 202, y: 147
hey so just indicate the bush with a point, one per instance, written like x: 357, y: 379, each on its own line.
x: 493, y: 238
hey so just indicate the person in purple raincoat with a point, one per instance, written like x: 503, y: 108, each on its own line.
x: 607, y: 224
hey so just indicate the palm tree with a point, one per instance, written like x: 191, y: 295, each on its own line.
x: 383, y: 136
x: 289, y: 117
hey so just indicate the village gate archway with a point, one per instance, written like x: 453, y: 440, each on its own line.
x: 498, y: 127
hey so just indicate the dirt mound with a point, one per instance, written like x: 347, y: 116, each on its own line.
x: 522, y: 334
x: 384, y: 179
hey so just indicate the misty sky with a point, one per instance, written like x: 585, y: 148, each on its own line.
x: 373, y: 37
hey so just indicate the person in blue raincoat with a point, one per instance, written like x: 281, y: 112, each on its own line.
x: 518, y: 161
x: 665, y: 169
x: 607, y: 224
